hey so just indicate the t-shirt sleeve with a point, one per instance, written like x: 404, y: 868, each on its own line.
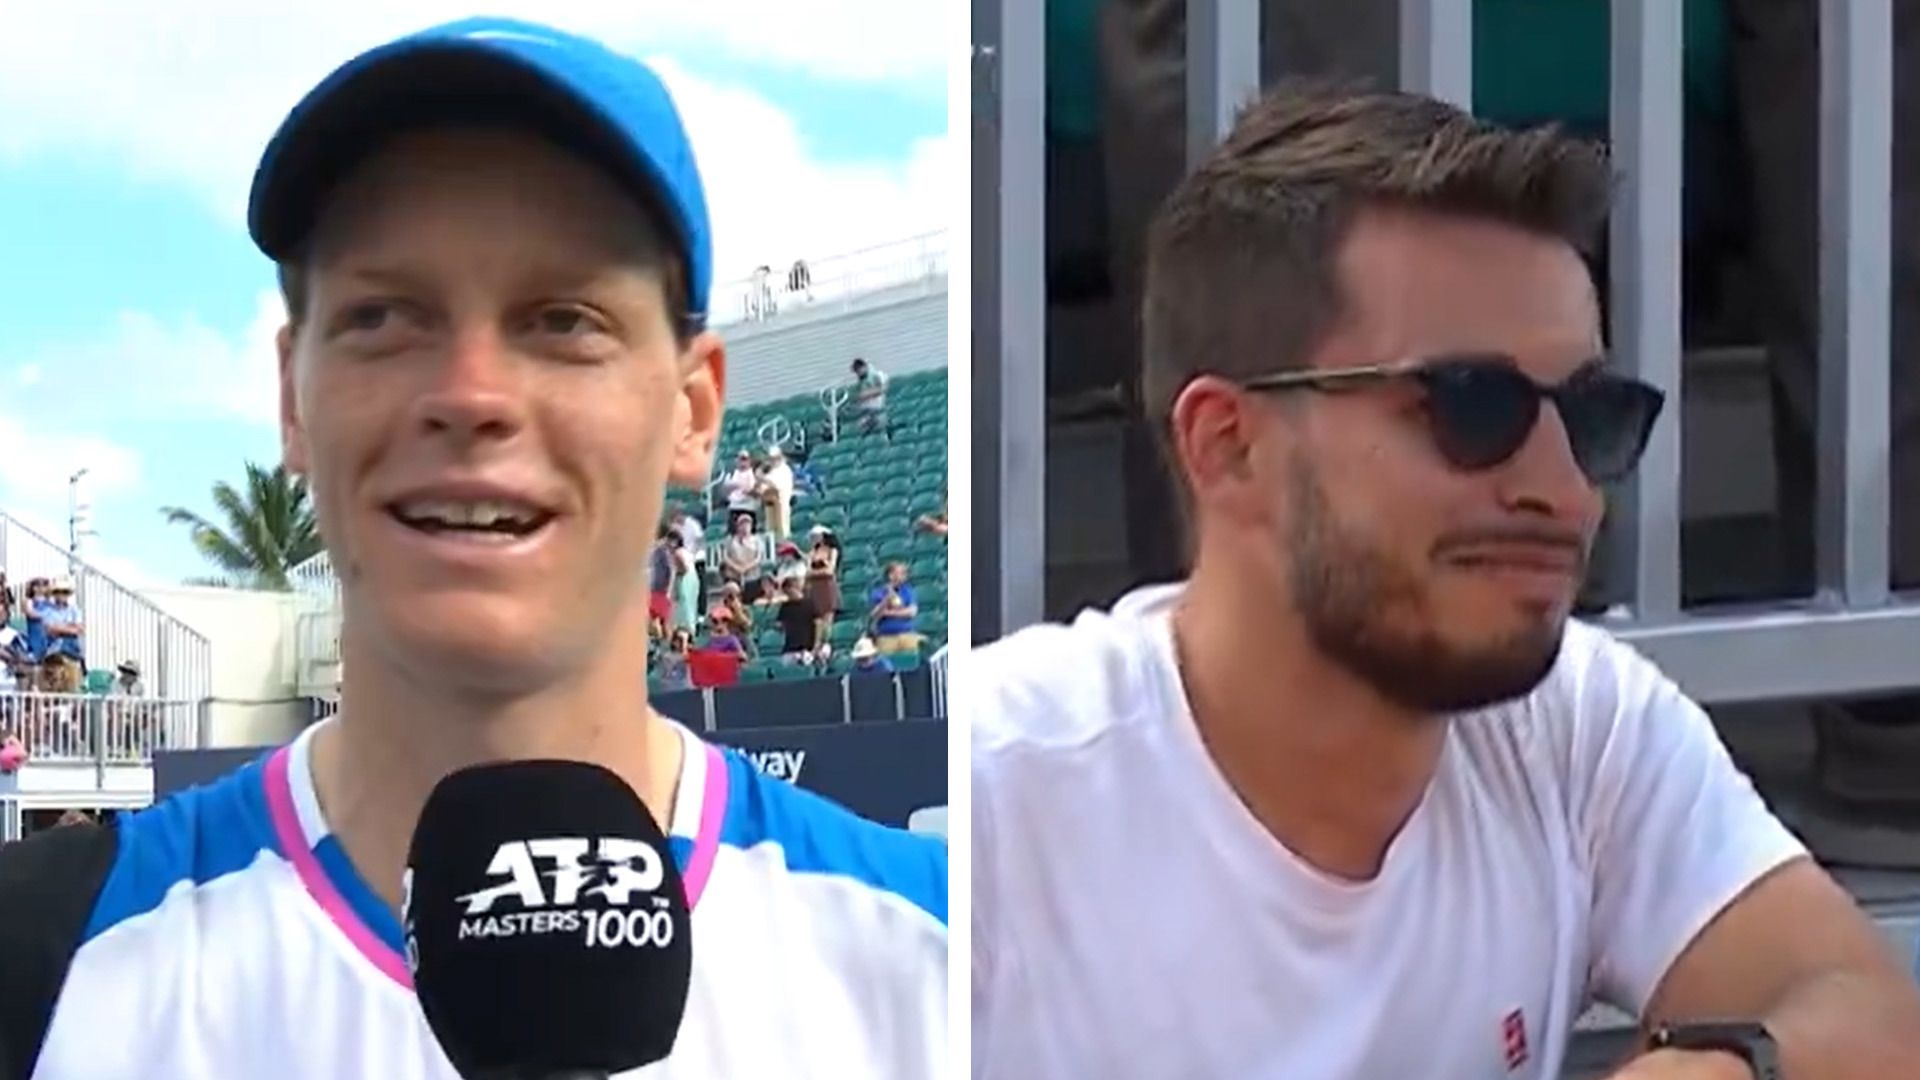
x: 1674, y: 831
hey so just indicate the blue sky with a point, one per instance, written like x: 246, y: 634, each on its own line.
x: 135, y: 317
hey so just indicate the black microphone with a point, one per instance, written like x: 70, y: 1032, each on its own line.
x: 547, y: 927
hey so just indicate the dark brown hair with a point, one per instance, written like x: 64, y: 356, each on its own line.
x: 1242, y: 274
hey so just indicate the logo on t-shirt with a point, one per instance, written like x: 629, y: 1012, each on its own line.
x: 1513, y: 1038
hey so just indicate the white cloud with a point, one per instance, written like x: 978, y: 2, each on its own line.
x: 189, y: 90
x: 34, y: 492
x: 28, y: 374
x: 186, y: 369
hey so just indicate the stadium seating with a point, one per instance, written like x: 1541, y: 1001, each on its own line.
x: 875, y: 488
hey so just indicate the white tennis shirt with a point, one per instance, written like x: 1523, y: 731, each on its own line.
x: 233, y: 939
x: 1132, y: 919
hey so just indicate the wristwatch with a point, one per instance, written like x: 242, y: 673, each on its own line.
x: 1751, y: 1043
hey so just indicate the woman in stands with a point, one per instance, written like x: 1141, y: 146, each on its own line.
x: 687, y: 588
x: 726, y: 635
x: 823, y: 576
x: 670, y: 670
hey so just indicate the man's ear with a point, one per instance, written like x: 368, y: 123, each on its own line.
x: 293, y: 437
x: 1212, y: 438
x: 700, y: 408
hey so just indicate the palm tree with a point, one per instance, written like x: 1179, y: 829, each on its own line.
x: 269, y: 529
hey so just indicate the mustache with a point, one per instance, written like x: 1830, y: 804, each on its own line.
x: 1566, y: 540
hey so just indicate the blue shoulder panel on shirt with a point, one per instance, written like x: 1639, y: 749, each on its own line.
x: 821, y: 837
x: 197, y: 835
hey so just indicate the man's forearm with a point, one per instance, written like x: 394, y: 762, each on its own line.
x: 1848, y: 1026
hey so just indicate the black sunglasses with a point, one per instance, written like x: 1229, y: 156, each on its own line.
x: 1481, y: 408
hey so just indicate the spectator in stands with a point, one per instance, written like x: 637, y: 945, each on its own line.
x: 13, y: 753
x: 867, y: 659
x: 800, y: 279
x: 31, y: 602
x: 64, y: 663
x: 733, y: 602
x: 6, y: 600
x: 661, y: 568
x: 934, y: 524
x: 727, y: 633
x: 788, y: 565
x: 823, y: 575
x: 670, y: 669
x: 689, y: 586
x: 127, y: 681
x: 12, y: 659
x: 74, y: 817
x: 870, y: 398
x: 777, y: 493
x: 799, y: 621
x: 740, y: 557
x: 894, y: 612
x: 741, y: 488
x: 693, y: 539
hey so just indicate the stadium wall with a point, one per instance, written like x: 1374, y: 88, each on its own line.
x: 252, y: 639
x: 799, y: 351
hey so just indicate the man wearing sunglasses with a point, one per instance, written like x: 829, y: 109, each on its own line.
x: 1357, y: 799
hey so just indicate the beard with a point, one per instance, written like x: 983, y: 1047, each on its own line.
x: 1347, y: 592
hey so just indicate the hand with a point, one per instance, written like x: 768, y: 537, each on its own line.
x: 1685, y: 1065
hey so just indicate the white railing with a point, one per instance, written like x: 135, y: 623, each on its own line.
x: 117, y: 623
x: 77, y: 728
x: 830, y: 284
x: 937, y: 666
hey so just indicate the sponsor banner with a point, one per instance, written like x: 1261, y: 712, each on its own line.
x: 890, y: 771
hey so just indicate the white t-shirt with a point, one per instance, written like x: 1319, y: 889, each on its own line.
x: 234, y: 939
x: 739, y: 486
x: 1132, y: 919
x: 693, y: 538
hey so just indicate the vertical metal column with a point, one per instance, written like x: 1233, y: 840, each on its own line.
x: 1009, y: 315
x: 1856, y: 191
x: 1647, y: 116
x: 1223, y: 69
x: 1436, y: 49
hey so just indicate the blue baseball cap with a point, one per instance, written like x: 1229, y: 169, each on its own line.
x: 611, y: 109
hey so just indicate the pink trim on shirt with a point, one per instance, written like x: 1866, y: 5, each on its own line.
x: 293, y: 845
x: 706, y: 842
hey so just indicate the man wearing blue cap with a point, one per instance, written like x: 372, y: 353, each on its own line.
x: 494, y: 249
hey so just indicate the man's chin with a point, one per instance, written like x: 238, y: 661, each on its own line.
x: 482, y: 643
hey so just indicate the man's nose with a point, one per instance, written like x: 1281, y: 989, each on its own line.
x: 475, y: 390
x: 1543, y: 477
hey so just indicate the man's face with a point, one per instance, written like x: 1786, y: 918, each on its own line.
x: 897, y: 574
x: 488, y: 401
x: 1445, y: 589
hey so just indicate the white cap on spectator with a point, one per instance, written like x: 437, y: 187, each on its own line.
x: 61, y: 584
x: 865, y: 649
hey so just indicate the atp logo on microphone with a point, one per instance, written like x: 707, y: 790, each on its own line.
x: 622, y: 874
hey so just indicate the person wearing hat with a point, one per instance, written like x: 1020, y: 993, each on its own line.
x: 867, y: 659
x: 64, y: 662
x: 126, y: 682
x: 493, y: 243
